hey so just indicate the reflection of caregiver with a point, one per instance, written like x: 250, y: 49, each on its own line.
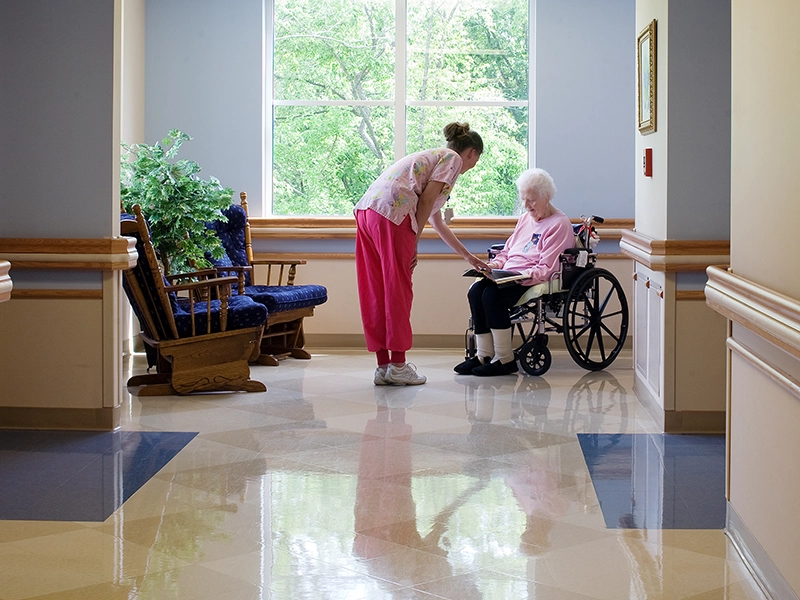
x: 389, y: 222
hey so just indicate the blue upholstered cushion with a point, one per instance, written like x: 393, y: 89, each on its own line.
x: 220, y: 264
x: 278, y: 298
x: 242, y: 313
x: 231, y: 234
x: 225, y: 261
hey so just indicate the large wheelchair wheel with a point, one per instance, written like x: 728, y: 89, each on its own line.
x: 595, y: 319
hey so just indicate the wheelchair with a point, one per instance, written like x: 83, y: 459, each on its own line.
x: 582, y: 302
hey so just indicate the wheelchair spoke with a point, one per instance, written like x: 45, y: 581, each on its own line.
x: 597, y: 305
x: 583, y: 329
x: 596, y: 336
x: 592, y: 332
x: 589, y: 307
x: 576, y: 341
x: 611, y: 333
x: 605, y: 302
x: 595, y: 339
x: 601, y: 344
x: 614, y: 314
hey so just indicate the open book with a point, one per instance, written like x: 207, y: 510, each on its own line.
x: 499, y: 276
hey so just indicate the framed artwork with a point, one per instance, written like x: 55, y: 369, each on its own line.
x: 646, y: 78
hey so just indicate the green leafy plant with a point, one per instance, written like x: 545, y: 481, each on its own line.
x: 176, y: 202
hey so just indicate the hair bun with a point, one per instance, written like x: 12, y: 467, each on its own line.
x: 455, y: 130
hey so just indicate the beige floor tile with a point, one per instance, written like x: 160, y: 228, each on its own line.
x: 488, y: 585
x: 25, y: 574
x: 194, y: 583
x: 735, y: 591
x: 101, y: 591
x: 19, y: 530
x: 98, y: 554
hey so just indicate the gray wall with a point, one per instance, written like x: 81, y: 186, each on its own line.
x: 203, y: 75
x: 586, y: 103
x: 699, y: 120
x: 58, y: 141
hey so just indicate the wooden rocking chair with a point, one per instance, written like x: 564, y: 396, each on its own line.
x: 200, y: 345
x: 288, y: 304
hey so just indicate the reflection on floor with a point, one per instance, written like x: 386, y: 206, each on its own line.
x: 328, y: 487
x: 78, y: 476
x: 657, y: 481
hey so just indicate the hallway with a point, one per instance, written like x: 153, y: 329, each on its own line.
x: 328, y: 487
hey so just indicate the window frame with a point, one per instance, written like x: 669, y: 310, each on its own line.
x: 400, y: 104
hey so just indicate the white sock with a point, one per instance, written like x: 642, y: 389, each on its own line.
x: 502, y: 345
x: 484, y: 345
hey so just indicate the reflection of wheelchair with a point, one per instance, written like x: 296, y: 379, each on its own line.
x: 581, y: 301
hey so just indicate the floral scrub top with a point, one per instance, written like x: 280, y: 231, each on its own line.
x: 396, y: 192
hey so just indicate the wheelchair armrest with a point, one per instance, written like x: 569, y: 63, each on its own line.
x: 494, y: 250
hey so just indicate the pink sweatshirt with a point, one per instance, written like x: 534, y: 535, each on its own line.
x: 534, y: 247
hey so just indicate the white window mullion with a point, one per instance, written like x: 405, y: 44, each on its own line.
x: 532, y: 83
x: 268, y: 39
x: 400, y: 45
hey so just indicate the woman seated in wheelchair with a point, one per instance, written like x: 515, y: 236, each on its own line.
x: 541, y: 234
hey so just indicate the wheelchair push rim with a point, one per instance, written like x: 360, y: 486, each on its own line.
x: 595, y: 319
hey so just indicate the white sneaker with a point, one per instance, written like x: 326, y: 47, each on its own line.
x: 380, y: 377
x: 405, y: 375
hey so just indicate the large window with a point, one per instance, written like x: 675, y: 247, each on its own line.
x: 357, y: 84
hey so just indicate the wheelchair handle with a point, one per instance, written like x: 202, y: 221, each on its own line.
x: 586, y: 230
x: 587, y: 221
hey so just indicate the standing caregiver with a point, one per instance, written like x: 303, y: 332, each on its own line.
x: 389, y: 223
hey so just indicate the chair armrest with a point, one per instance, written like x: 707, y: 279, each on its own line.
x: 235, y: 269
x: 220, y: 282
x: 201, y: 274
x: 240, y: 270
x: 273, y: 261
x: 277, y: 268
x: 201, y: 291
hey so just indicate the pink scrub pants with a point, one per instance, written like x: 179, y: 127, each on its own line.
x: 384, y: 252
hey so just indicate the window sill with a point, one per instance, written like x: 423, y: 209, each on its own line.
x: 488, y: 228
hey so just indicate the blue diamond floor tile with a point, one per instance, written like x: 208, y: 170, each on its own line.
x: 78, y: 475
x: 658, y: 481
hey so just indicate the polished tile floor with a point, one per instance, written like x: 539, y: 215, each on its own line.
x: 78, y: 475
x: 327, y: 487
x: 658, y: 481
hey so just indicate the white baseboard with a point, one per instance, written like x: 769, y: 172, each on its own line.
x: 766, y: 574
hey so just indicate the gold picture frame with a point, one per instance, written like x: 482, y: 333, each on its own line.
x: 646, y: 78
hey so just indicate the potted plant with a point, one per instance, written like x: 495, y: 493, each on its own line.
x: 176, y: 202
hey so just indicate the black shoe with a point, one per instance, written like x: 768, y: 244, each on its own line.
x: 495, y: 368
x: 465, y: 368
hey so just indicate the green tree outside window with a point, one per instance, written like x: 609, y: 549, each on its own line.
x: 349, y: 99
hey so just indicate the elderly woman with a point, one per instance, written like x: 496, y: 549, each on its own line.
x: 542, y: 233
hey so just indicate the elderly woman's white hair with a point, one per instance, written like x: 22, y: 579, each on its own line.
x: 537, y: 181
